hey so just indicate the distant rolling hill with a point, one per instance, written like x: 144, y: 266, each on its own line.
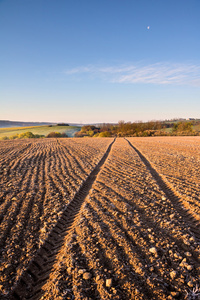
x: 6, y: 124
x: 10, y: 129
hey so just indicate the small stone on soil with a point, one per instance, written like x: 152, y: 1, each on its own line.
x: 188, y: 254
x: 190, y: 284
x: 109, y: 282
x: 173, y: 274
x: 189, y: 267
x: 69, y: 270
x: 81, y: 271
x: 87, y: 275
x: 153, y: 250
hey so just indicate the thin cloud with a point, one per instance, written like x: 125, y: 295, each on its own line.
x: 159, y: 73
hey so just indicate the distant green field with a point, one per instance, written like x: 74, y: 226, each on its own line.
x: 168, y: 130
x: 196, y: 127
x: 42, y: 130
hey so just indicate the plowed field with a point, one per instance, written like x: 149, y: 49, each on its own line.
x: 177, y: 159
x: 100, y: 219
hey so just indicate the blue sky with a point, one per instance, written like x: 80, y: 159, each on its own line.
x: 99, y: 61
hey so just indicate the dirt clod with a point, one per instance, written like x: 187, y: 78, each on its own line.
x: 109, y: 282
x: 87, y: 275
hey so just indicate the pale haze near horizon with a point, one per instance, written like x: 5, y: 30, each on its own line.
x: 99, y: 61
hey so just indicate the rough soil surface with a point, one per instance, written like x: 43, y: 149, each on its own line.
x: 177, y: 159
x: 38, y: 178
x: 129, y: 238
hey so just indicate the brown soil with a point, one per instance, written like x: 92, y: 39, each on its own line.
x: 177, y: 160
x: 38, y: 179
x: 125, y: 234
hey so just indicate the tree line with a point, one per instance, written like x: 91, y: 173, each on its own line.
x: 123, y: 129
x: 138, y: 129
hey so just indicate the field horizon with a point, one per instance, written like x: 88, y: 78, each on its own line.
x: 150, y: 128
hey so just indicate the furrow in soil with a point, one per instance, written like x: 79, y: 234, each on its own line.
x: 127, y: 242
x: 173, y: 195
x: 30, y: 284
x: 38, y: 179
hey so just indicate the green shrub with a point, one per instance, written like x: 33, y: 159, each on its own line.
x: 26, y: 135
x: 90, y: 132
x: 13, y: 137
x: 37, y: 136
x: 96, y: 135
x: 56, y: 135
x: 182, y: 127
x: 53, y: 134
x: 104, y: 134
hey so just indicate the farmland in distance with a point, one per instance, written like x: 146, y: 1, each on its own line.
x: 41, y: 130
x: 100, y: 218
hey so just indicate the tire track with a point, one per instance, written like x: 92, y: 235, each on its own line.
x: 188, y: 219
x: 30, y: 284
